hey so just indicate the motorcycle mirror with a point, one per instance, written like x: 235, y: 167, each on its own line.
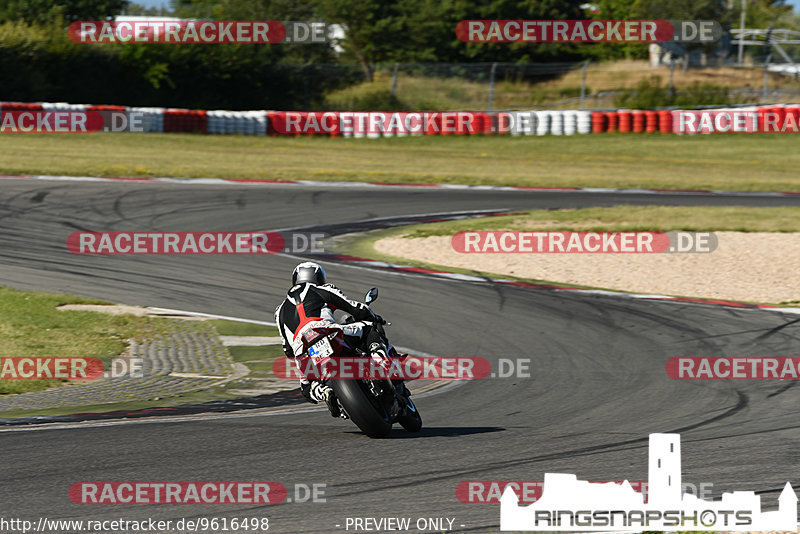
x: 372, y: 294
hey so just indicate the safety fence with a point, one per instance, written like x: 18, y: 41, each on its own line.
x: 761, y: 119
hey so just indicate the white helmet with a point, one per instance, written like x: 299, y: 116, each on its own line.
x: 310, y: 272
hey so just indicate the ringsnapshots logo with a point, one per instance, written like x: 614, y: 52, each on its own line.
x: 569, y: 504
x: 541, y: 242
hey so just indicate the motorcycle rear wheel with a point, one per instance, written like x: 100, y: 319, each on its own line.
x: 372, y: 420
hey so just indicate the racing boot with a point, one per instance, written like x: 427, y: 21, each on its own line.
x: 323, y: 393
x: 378, y: 353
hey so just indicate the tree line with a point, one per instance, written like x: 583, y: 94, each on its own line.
x: 39, y: 62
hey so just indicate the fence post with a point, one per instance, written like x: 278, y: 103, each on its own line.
x: 741, y: 32
x: 394, y: 81
x: 766, y: 65
x: 491, y: 85
x: 671, y: 74
x: 583, y: 82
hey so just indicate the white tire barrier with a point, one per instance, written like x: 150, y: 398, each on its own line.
x: 557, y: 123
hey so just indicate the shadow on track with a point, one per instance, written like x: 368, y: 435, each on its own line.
x: 439, y: 431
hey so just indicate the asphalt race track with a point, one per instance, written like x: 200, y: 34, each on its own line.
x: 598, y: 383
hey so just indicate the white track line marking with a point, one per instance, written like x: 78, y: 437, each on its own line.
x: 258, y: 412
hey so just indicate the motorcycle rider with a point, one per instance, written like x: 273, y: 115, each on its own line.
x: 310, y: 303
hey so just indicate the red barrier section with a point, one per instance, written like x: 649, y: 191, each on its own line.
x: 332, y: 118
x: 504, y: 122
x: 638, y: 121
x: 484, y: 124
x: 172, y: 120
x: 467, y: 127
x: 434, y: 126
x: 114, y: 117
x: 665, y: 121
x: 793, y: 117
x: 763, y: 115
x: 598, y: 122
x: 21, y: 106
x: 611, y: 120
x: 185, y: 120
x: 276, y: 122
x: 312, y: 124
x: 624, y: 121
x: 651, y: 121
x: 780, y: 111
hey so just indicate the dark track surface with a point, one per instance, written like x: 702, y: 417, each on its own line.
x: 598, y: 385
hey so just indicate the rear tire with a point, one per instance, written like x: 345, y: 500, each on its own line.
x: 411, y: 420
x: 373, y: 422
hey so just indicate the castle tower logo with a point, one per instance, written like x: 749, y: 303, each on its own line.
x: 569, y: 504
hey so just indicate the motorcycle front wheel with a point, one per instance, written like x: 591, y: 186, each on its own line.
x: 411, y: 420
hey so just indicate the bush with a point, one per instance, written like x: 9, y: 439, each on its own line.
x: 374, y: 100
x: 703, y: 94
x: 649, y: 94
x: 47, y: 66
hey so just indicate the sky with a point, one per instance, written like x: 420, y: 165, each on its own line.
x: 165, y: 3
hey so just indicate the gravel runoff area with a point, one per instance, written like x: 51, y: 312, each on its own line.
x: 748, y: 266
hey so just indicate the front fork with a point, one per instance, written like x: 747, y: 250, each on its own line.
x: 382, y: 386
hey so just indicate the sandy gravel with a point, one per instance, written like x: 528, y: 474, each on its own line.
x: 761, y: 267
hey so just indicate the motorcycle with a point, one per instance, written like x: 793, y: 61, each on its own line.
x: 373, y: 403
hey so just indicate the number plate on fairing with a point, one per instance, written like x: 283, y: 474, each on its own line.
x: 320, y: 349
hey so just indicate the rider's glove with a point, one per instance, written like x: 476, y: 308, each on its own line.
x: 379, y: 320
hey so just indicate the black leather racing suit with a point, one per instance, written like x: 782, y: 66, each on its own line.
x: 308, y: 305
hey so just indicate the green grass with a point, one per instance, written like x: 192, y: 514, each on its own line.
x: 258, y: 359
x: 238, y: 328
x: 737, y: 162
x: 221, y: 392
x: 630, y: 218
x: 31, y: 326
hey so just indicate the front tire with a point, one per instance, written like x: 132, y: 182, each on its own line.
x: 372, y: 421
x: 411, y: 420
